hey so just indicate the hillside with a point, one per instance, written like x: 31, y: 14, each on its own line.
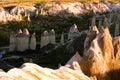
x: 5, y: 3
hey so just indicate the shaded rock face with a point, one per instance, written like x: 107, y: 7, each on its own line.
x: 78, y: 43
x: 116, y: 44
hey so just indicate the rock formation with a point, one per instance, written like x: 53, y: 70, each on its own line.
x: 30, y: 71
x: 44, y: 39
x: 93, y: 31
x: 62, y: 39
x: 98, y: 57
x: 19, y: 32
x: 73, y: 32
x: 12, y: 46
x: 33, y: 42
x: 117, y: 29
x: 52, y: 37
x: 20, y: 41
x: 116, y: 44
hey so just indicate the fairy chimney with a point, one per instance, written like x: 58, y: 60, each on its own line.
x: 93, y: 31
x: 44, y: 38
x: 33, y: 42
x: 98, y: 56
x: 73, y: 32
x: 52, y: 39
x: 12, y: 46
x: 116, y: 44
x: 26, y: 32
x: 20, y: 31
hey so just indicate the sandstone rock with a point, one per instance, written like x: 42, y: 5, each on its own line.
x: 104, y: 42
x: 98, y: 56
x: 106, y: 22
x: 19, y: 32
x: 30, y: 71
x: 93, y: 31
x: 75, y: 58
x: 26, y: 32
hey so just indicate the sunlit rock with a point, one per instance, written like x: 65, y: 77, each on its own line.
x: 33, y: 42
x: 19, y: 32
x: 30, y: 71
x: 98, y: 56
x: 105, y: 41
x: 73, y: 32
x: 76, y: 58
x: 26, y: 32
x: 28, y: 18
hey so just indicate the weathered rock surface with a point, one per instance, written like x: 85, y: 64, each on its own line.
x: 116, y: 44
x: 30, y: 71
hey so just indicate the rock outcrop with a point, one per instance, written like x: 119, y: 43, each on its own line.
x: 30, y: 71
x: 98, y: 54
x: 73, y: 32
